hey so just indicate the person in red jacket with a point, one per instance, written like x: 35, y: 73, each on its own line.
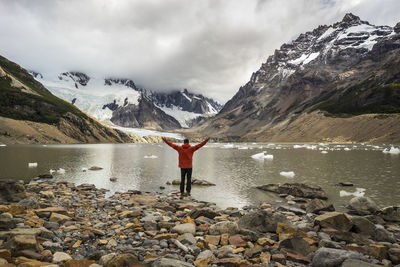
x: 185, y: 161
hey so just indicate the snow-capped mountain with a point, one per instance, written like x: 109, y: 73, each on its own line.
x: 186, y: 107
x: 120, y: 102
x: 345, y: 69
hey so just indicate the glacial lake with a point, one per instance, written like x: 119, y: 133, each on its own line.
x: 146, y: 167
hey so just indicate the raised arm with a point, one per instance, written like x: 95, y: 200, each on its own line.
x: 170, y: 143
x: 201, y: 144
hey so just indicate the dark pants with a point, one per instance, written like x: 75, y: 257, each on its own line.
x: 188, y: 174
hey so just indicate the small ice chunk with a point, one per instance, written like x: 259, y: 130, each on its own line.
x: 298, y: 146
x: 393, y: 150
x: 3, y: 145
x: 52, y: 171
x: 360, y: 192
x: 32, y: 164
x: 84, y: 169
x: 287, y: 174
x: 324, y: 152
x: 150, y: 157
x: 228, y: 146
x: 243, y: 147
x: 61, y: 171
x: 347, y: 149
x: 262, y: 156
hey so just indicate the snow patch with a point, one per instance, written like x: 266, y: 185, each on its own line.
x: 183, y: 117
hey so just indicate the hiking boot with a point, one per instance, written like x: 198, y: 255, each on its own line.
x: 188, y: 194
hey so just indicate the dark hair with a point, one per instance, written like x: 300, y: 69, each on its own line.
x: 186, y: 141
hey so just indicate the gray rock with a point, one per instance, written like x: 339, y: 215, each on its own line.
x: 225, y: 227
x: 104, y: 260
x: 391, y: 214
x: 51, y: 225
x: 261, y: 221
x: 206, y: 212
x: 325, y: 243
x: 187, y: 238
x: 362, y: 206
x: 166, y: 262
x: 394, y: 255
x: 60, y: 257
x: 363, y: 226
x: 11, y: 191
x: 383, y: 235
x: 206, y: 254
x: 7, y: 223
x: 296, y: 189
x: 317, y: 205
x: 358, y: 263
x: 184, y: 228
x: 330, y: 257
x: 297, y: 244
x: 292, y: 209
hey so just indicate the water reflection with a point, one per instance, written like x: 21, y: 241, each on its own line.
x: 147, y: 167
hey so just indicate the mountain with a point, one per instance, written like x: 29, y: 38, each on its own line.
x: 336, y: 83
x: 120, y: 102
x: 29, y: 113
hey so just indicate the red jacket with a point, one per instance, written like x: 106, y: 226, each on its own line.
x: 185, y: 152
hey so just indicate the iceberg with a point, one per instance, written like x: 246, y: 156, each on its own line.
x: 32, y: 164
x: 287, y: 174
x: 393, y: 150
x: 262, y: 156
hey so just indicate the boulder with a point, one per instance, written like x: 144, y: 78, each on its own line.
x: 194, y: 181
x: 224, y: 227
x: 286, y: 231
x: 363, y: 226
x: 21, y: 242
x: 336, y: 220
x: 78, y: 263
x: 167, y: 262
x: 124, y: 260
x: 261, y: 221
x: 11, y: 191
x: 297, y: 244
x: 317, y: 205
x: 184, y: 228
x: 394, y: 255
x: 6, y: 223
x: 330, y: 257
x: 390, y: 214
x: 60, y: 257
x: 383, y: 235
x: 362, y: 206
x: 296, y: 190
x: 59, y: 218
x: 358, y: 263
x: 206, y: 212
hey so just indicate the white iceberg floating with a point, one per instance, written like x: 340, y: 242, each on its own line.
x: 287, y: 174
x: 393, y: 150
x: 52, y: 171
x: 32, y: 164
x: 262, y: 156
x: 3, y: 145
x: 151, y: 157
x: 360, y: 192
x: 228, y: 146
x: 299, y: 146
x: 324, y: 152
x: 243, y: 147
x: 61, y: 171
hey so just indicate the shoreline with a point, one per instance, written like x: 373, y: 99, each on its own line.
x: 56, y: 222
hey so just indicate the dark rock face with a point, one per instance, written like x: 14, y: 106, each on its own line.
x: 146, y: 114
x: 348, y: 68
x: 78, y: 77
x: 11, y: 191
x: 296, y: 189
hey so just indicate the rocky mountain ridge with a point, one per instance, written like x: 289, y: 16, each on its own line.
x: 29, y: 113
x: 346, y: 69
x: 119, y: 101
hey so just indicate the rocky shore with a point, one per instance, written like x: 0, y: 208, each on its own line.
x: 54, y: 223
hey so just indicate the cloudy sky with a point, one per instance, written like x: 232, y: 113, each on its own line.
x: 207, y: 46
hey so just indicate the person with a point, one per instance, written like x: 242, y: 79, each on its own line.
x: 185, y: 161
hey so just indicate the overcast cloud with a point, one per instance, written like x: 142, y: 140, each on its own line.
x: 207, y: 46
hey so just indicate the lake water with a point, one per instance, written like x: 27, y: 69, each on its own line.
x: 146, y: 167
